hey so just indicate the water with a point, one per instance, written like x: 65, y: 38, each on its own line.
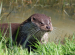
x: 64, y: 25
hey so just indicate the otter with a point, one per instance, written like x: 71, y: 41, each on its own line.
x: 32, y: 30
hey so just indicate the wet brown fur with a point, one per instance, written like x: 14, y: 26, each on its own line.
x: 5, y: 27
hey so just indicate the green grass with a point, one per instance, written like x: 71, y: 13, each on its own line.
x: 58, y: 49
x: 43, y: 49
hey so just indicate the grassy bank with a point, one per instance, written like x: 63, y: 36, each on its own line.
x: 58, y: 49
x: 49, y: 49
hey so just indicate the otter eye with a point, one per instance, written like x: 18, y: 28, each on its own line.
x: 34, y: 19
x: 41, y: 23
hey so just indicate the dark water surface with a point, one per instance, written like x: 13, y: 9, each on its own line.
x: 63, y: 24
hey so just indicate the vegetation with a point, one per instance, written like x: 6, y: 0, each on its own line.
x: 58, y: 49
x: 43, y: 49
x: 46, y: 49
x: 9, y: 6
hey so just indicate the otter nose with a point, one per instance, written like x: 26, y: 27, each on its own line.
x: 48, y: 27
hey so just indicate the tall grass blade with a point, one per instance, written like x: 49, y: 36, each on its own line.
x: 0, y: 10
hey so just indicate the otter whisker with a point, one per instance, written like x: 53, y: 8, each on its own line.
x: 54, y: 27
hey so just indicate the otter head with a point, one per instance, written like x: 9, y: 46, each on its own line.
x: 42, y: 21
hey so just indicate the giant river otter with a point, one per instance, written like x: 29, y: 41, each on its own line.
x: 33, y: 29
